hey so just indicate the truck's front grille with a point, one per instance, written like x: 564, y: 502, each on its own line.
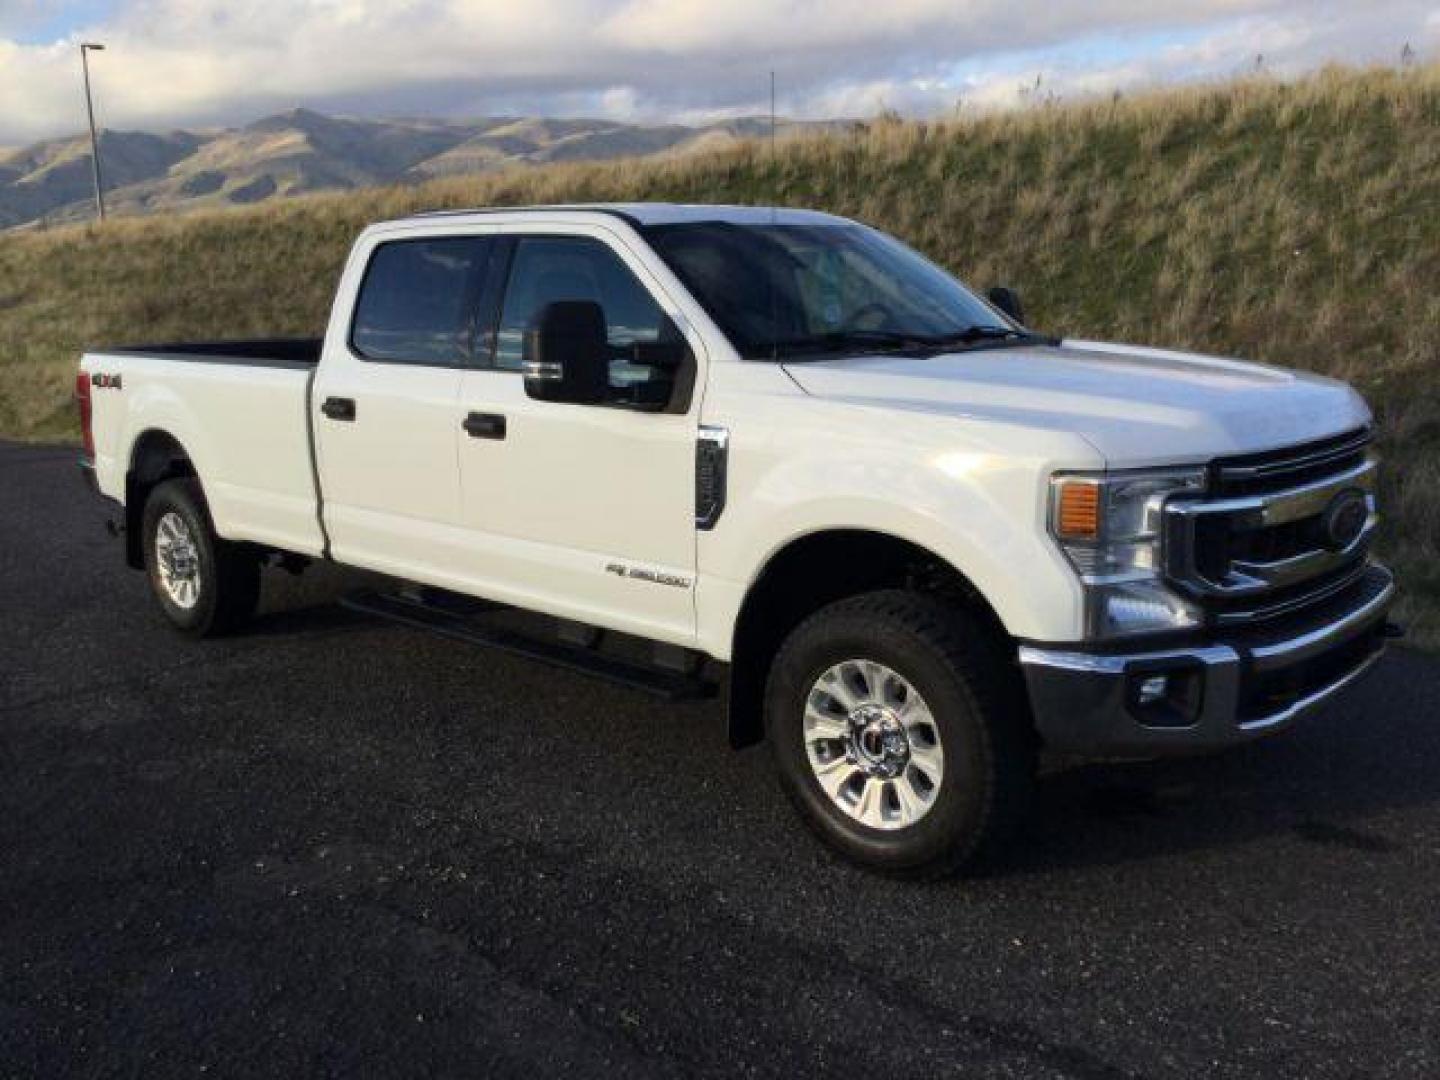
x: 1276, y: 532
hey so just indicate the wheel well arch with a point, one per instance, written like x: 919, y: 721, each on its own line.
x: 156, y: 456
x: 818, y: 569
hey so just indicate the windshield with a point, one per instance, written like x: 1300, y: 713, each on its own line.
x: 783, y: 289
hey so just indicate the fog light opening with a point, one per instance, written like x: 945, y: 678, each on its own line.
x: 1152, y: 689
x: 1166, y: 699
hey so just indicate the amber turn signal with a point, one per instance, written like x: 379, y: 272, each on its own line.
x: 1078, y: 511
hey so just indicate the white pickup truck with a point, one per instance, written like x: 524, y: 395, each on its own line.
x: 920, y: 543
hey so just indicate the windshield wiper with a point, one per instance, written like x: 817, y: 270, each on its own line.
x: 978, y: 333
x: 873, y: 341
x: 998, y: 335
x: 837, y: 340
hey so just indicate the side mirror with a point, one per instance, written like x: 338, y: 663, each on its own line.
x: 1008, y: 301
x: 566, y: 355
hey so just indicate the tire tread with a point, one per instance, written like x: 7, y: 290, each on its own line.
x: 236, y: 585
x: 986, y: 676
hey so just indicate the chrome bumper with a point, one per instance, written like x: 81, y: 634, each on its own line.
x: 1248, y: 685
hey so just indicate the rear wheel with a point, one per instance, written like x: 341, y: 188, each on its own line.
x: 205, y: 584
x: 900, y: 731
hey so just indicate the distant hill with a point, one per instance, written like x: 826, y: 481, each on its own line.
x: 303, y: 151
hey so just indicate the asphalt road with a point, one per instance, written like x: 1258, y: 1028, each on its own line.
x: 334, y: 846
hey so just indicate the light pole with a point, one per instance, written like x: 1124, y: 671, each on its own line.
x: 85, y: 48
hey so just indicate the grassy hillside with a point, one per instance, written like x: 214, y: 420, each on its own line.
x: 1297, y: 224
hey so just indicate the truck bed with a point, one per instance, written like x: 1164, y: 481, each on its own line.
x: 259, y: 352
x: 239, y: 411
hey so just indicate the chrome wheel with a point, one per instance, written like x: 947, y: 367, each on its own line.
x: 177, y: 560
x: 873, y: 744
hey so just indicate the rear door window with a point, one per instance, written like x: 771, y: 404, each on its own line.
x: 420, y: 301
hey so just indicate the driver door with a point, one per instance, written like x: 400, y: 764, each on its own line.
x: 585, y: 511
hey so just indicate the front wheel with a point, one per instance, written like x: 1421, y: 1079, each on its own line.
x: 900, y: 731
x: 205, y: 584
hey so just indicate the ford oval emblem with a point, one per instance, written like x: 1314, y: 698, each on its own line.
x: 1345, y: 519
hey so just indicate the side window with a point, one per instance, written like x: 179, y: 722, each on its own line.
x: 419, y: 301
x: 549, y: 268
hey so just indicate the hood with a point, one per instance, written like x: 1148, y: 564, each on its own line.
x: 1135, y: 406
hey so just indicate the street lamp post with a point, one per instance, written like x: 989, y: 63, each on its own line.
x: 85, y: 48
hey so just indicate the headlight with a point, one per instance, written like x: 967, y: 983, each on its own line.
x: 1108, y: 525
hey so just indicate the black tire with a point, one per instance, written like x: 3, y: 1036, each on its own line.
x: 227, y: 575
x: 963, y: 671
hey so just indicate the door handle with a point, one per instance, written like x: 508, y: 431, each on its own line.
x: 480, y: 425
x: 339, y: 408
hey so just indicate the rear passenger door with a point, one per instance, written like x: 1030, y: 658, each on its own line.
x: 384, y: 403
x: 586, y: 511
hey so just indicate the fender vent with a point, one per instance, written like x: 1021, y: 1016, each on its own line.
x: 711, y: 451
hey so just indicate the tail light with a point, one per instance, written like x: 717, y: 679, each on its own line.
x: 82, y: 402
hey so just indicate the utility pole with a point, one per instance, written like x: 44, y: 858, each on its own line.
x: 772, y: 114
x: 85, y: 48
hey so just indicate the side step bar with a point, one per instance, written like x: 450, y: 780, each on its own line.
x: 456, y: 617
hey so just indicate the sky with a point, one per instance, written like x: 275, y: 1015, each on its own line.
x: 174, y: 63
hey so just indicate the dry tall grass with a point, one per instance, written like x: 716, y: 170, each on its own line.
x: 1297, y: 224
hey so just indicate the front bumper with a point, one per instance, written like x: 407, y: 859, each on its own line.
x: 1243, y: 686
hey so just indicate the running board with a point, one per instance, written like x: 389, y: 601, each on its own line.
x: 440, y: 613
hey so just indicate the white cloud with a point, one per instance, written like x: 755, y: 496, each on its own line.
x: 1277, y: 43
x: 173, y: 62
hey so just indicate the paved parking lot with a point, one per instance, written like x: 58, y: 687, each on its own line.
x: 336, y: 846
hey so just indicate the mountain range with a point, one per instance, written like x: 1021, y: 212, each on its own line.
x: 302, y: 151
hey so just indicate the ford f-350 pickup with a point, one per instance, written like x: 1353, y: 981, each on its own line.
x: 921, y: 543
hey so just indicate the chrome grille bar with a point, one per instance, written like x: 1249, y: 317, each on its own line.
x: 1291, y: 504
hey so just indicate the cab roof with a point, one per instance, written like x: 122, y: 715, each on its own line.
x: 653, y: 213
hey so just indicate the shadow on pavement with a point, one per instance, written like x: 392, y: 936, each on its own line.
x: 1377, y: 749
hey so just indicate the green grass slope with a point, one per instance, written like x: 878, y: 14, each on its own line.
x: 1296, y: 224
